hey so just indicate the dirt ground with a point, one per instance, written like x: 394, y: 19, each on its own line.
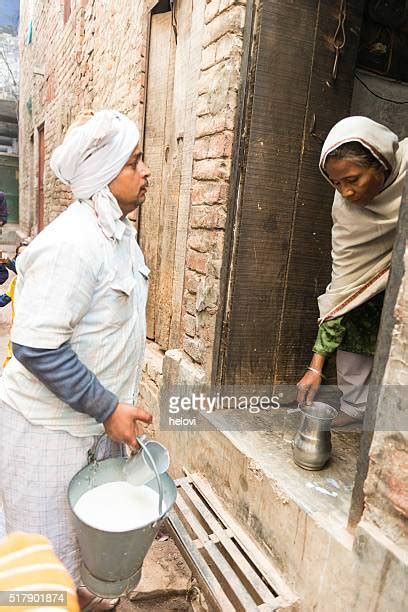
x: 167, y: 582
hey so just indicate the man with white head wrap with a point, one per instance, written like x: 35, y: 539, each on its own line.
x: 78, y: 334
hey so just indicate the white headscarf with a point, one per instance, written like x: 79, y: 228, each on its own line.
x: 90, y: 157
x: 363, y: 236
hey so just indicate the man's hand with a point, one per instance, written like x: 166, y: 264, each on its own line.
x: 308, y: 386
x: 123, y: 426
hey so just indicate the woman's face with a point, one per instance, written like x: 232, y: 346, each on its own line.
x: 355, y: 184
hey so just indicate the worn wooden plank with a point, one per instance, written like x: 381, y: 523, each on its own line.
x: 175, y: 126
x: 219, y: 561
x: 282, y: 258
x: 248, y: 544
x: 159, y: 79
x: 279, y: 100
x: 164, y: 229
x: 207, y: 580
x: 40, y: 178
x: 228, y: 544
x: 245, y: 98
x: 191, y: 77
x: 309, y: 263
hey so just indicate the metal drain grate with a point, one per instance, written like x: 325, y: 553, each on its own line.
x: 234, y: 574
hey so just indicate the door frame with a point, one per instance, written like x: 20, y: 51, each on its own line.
x: 40, y: 176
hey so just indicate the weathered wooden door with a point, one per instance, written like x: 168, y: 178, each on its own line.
x: 280, y: 253
x: 173, y: 72
x: 157, y: 143
x: 40, y: 183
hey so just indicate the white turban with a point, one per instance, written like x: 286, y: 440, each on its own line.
x: 91, y: 156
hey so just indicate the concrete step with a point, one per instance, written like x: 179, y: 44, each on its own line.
x: 298, y: 518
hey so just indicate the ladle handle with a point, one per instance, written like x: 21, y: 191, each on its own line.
x: 141, y: 441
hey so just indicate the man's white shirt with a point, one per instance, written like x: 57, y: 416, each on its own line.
x: 74, y: 285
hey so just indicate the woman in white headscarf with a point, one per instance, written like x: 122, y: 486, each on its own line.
x: 366, y: 164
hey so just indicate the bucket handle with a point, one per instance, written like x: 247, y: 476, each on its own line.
x: 142, y: 441
x: 93, y: 451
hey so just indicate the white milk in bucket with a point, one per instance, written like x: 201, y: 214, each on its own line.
x: 118, y: 506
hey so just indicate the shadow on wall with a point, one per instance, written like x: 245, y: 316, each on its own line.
x: 392, y: 114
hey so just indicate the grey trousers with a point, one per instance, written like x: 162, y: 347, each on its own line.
x: 353, y: 377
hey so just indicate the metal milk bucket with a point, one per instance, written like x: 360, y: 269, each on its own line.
x: 312, y: 442
x: 112, y: 561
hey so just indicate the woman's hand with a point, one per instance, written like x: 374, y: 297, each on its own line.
x: 308, y: 386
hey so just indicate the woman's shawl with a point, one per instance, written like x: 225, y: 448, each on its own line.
x: 363, y: 236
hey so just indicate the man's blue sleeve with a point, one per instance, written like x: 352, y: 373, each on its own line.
x: 61, y: 371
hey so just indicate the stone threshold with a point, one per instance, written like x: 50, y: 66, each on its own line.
x: 299, y: 518
x: 324, y: 495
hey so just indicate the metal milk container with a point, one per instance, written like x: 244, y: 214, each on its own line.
x: 312, y: 442
x: 112, y: 561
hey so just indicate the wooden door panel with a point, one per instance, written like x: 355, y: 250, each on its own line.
x: 40, y: 182
x: 309, y: 261
x: 175, y: 127
x: 158, y: 82
x: 282, y: 253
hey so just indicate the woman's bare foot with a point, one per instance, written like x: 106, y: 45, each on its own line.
x: 345, y: 422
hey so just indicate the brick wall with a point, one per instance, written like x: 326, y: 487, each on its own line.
x: 94, y: 60
x: 97, y: 60
x: 216, y: 112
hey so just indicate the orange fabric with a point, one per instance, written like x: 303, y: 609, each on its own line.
x: 28, y: 563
